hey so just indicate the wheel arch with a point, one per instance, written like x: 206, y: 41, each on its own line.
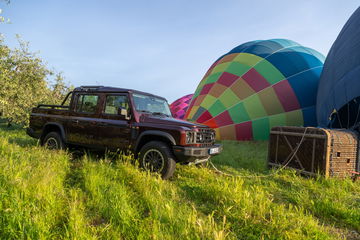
x: 52, y: 127
x: 153, y: 135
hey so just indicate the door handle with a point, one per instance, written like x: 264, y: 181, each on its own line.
x: 75, y: 121
x: 103, y: 124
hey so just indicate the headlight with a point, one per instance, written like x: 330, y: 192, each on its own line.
x: 190, y: 137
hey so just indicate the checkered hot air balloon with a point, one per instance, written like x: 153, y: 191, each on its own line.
x: 256, y: 86
x: 178, y: 108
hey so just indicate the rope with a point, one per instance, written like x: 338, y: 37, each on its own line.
x: 338, y: 118
x: 357, y: 115
x: 263, y: 176
x: 348, y: 118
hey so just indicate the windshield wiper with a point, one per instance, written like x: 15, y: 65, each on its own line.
x: 144, y: 111
x: 153, y: 113
x: 159, y: 113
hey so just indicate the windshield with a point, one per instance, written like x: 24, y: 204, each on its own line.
x: 150, y: 104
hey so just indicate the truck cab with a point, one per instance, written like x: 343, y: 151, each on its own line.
x: 117, y: 119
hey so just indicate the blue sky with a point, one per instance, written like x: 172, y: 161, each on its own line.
x: 162, y: 47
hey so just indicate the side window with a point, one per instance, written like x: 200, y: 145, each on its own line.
x: 114, y: 102
x: 87, y: 103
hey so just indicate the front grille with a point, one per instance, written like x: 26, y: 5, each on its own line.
x: 205, y: 136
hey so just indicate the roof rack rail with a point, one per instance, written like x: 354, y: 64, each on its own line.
x: 91, y: 86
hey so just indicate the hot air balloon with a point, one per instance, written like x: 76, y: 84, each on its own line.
x: 178, y: 108
x: 339, y: 87
x: 256, y: 86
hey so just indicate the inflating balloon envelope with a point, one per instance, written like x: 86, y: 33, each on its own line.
x: 256, y: 86
x: 339, y: 87
x: 179, y: 107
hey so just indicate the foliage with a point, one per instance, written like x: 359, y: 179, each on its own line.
x: 25, y: 82
x: 2, y: 18
x: 58, y: 89
x: 45, y: 194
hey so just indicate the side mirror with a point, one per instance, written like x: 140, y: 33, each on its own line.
x: 123, y: 112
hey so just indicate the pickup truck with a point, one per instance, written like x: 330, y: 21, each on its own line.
x: 116, y: 119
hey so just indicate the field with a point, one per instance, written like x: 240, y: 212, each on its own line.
x: 53, y: 195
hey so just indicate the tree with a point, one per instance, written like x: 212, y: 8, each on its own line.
x: 25, y: 82
x: 2, y: 18
x: 59, y: 89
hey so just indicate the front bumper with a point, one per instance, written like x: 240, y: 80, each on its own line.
x: 192, y: 154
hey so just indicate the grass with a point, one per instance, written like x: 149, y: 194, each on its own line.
x: 51, y: 195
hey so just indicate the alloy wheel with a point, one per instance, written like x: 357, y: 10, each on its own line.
x: 153, y: 160
x: 51, y: 143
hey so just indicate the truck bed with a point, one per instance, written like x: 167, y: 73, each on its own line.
x: 43, y: 114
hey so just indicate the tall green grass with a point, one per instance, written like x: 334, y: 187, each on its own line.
x: 52, y: 195
x: 33, y: 200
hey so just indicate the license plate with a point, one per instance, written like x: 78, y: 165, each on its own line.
x: 213, y: 150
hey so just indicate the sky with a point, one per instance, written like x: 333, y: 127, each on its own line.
x: 162, y: 47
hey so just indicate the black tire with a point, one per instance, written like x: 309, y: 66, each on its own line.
x: 157, y: 157
x: 53, y: 141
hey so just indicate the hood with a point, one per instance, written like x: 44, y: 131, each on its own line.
x: 169, y: 121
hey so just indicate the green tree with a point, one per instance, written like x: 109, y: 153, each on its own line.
x: 2, y: 18
x: 25, y: 82
x: 59, y: 89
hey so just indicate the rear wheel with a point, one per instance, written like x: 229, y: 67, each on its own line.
x: 156, y: 157
x: 53, y: 141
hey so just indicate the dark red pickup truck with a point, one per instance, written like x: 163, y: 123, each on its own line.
x: 116, y: 119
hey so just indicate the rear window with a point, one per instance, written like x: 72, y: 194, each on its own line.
x: 87, y: 103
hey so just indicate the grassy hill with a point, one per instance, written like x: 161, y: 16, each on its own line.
x: 51, y: 195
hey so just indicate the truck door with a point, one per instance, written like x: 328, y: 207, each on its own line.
x: 81, y: 126
x: 115, y: 129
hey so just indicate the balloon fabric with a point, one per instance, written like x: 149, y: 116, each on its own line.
x: 258, y: 85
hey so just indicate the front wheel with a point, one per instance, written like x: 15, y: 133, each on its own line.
x: 156, y: 157
x: 53, y: 141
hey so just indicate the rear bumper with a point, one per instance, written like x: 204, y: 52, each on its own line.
x: 192, y: 154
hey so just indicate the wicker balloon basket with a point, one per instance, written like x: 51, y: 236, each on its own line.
x: 313, y: 151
